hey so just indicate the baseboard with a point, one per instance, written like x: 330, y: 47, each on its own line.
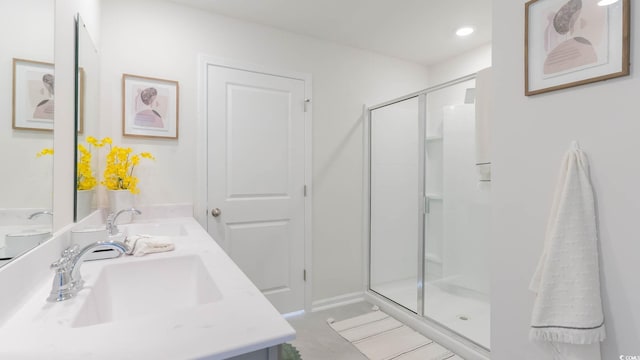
x: 446, y: 338
x: 346, y: 299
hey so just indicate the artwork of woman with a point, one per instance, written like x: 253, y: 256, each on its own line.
x: 44, y: 109
x: 148, y: 116
x: 574, y: 37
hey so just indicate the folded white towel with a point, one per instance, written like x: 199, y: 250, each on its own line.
x: 142, y: 244
x: 568, y: 306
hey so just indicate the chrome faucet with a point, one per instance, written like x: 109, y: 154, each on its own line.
x: 68, y: 279
x: 112, y: 227
x: 38, y: 213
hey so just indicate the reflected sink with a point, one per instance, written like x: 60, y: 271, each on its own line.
x: 146, y: 288
x: 155, y: 229
x: 21, y: 241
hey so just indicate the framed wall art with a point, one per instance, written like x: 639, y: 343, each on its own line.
x: 574, y: 42
x: 149, y: 107
x: 33, y: 95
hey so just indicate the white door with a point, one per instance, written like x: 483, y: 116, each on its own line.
x: 256, y: 169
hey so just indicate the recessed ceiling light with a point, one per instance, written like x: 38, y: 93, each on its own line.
x: 606, y: 2
x: 465, y: 31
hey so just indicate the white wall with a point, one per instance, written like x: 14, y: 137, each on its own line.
x: 162, y: 39
x: 27, y: 181
x: 530, y: 137
x: 464, y: 64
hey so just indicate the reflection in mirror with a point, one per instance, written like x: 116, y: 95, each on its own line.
x: 87, y: 89
x: 26, y: 120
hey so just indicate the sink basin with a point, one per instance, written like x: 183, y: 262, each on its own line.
x: 20, y: 241
x: 155, y: 229
x: 146, y: 288
x: 190, y: 303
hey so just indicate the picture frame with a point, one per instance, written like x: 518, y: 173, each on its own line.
x: 149, y: 107
x: 33, y: 95
x: 572, y: 42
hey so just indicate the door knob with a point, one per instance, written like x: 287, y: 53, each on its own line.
x: 216, y: 212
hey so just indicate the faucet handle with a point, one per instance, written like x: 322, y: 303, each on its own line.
x: 63, y: 287
x: 60, y: 263
x: 71, y: 251
x: 66, y: 257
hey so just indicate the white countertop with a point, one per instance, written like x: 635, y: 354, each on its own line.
x: 241, y: 321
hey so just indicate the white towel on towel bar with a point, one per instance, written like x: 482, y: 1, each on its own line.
x: 568, y: 305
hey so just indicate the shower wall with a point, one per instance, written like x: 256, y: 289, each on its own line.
x: 456, y: 288
x: 466, y: 205
x: 457, y: 229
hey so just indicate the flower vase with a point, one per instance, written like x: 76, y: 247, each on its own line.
x: 120, y: 200
x: 84, y: 202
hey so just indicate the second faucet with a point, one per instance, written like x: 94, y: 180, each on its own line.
x: 112, y: 227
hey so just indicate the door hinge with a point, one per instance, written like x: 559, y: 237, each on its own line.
x: 305, y: 191
x: 427, y: 205
x: 304, y: 274
x: 306, y: 104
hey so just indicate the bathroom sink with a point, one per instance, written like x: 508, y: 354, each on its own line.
x: 190, y: 303
x: 155, y: 229
x: 146, y: 288
x: 25, y: 239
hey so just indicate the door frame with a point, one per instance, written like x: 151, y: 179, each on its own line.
x: 200, y: 207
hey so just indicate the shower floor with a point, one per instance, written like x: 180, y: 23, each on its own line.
x: 445, y: 307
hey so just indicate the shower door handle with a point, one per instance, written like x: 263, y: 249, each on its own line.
x: 216, y: 212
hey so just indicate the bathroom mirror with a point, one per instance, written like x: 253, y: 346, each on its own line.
x: 87, y: 97
x: 26, y: 120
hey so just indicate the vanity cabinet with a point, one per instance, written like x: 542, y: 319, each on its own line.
x: 272, y: 353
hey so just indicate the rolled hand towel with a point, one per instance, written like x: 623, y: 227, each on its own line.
x: 143, y: 244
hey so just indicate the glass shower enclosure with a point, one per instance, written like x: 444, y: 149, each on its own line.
x: 429, y: 208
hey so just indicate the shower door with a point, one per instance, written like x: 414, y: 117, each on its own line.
x: 429, y: 207
x: 396, y: 157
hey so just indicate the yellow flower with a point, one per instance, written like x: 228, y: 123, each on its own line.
x: 45, y: 151
x: 147, y: 155
x: 118, y: 172
x: 91, y: 140
x: 85, y: 180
